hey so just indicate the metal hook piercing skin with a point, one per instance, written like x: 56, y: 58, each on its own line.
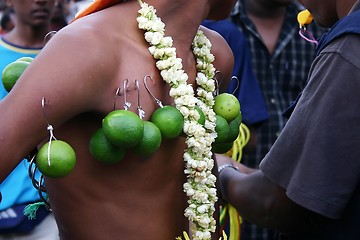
x: 141, y: 112
x: 126, y: 103
x: 237, y: 85
x: 217, y: 85
x: 43, y: 108
x: 49, y: 128
x: 158, y: 102
x: 50, y: 35
x: 117, y: 94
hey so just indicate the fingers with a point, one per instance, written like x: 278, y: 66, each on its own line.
x: 222, y: 160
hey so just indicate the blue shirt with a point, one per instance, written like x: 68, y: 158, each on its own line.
x: 17, y: 188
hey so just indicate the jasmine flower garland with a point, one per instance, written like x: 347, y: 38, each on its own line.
x: 200, y: 185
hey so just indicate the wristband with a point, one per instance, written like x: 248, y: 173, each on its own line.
x: 228, y: 165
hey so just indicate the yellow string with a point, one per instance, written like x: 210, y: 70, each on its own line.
x: 235, y: 223
x: 236, y: 154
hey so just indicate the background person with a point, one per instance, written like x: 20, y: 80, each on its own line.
x: 7, y: 21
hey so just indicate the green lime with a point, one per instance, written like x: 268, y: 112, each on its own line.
x: 201, y: 120
x: 234, y: 129
x: 169, y: 120
x: 222, y: 129
x: 227, y: 106
x: 151, y: 140
x: 12, y: 73
x: 26, y: 59
x: 123, y: 128
x: 58, y: 162
x: 102, y: 150
x: 221, y: 147
x: 238, y: 118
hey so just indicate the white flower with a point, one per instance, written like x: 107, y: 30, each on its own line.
x: 157, y: 25
x: 142, y: 21
x: 167, y: 42
x: 200, y: 187
x: 153, y: 38
x: 167, y: 63
x: 182, y: 89
x: 185, y: 100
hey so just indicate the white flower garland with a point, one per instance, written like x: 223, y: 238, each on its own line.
x: 200, y: 185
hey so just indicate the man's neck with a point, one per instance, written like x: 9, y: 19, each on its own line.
x: 268, y: 21
x: 179, y: 18
x: 27, y: 38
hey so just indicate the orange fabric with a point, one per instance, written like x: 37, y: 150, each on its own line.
x: 96, y: 6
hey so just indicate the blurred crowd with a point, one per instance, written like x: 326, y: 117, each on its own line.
x: 65, y: 11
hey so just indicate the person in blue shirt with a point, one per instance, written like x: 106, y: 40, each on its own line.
x: 26, y: 39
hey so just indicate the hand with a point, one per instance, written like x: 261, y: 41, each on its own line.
x: 222, y: 160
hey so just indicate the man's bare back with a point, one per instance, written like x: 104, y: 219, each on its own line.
x: 78, y: 74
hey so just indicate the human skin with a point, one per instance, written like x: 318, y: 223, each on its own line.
x: 78, y: 73
x: 326, y: 13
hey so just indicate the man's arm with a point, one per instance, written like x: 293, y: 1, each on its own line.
x: 68, y: 85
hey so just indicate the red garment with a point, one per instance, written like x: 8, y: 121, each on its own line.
x: 96, y: 6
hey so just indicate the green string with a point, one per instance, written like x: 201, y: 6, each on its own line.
x: 31, y: 209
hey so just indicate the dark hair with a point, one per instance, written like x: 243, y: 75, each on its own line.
x: 6, y: 18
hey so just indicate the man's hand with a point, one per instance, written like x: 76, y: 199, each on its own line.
x: 223, y: 160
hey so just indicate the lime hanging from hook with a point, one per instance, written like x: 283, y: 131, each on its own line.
x: 56, y: 159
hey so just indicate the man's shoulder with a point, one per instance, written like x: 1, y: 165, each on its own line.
x: 227, y: 29
x: 347, y: 46
x: 221, y: 25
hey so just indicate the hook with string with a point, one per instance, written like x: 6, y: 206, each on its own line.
x: 126, y: 103
x: 157, y: 101
x: 237, y: 85
x: 49, y: 128
x: 117, y: 94
x: 39, y: 184
x: 217, y: 84
x: 141, y: 112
